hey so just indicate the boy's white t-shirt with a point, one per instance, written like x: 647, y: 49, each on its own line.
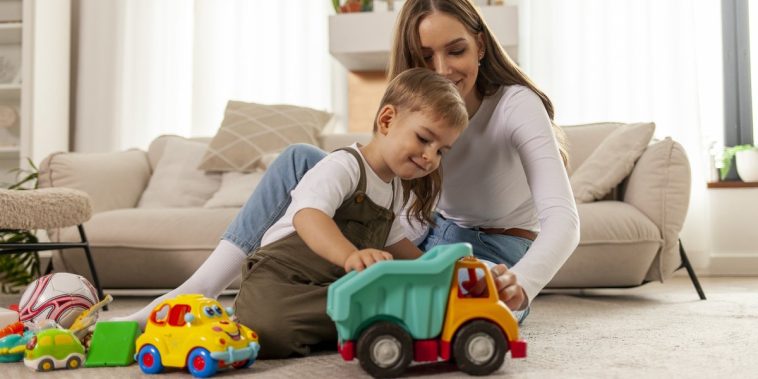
x: 328, y: 184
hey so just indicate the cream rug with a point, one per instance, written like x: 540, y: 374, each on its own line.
x: 658, y: 330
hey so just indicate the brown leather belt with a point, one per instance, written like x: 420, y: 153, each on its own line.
x: 515, y: 232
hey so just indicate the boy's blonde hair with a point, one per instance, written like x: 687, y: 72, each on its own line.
x: 423, y: 90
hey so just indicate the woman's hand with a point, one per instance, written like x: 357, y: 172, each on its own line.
x: 509, y: 291
x: 361, y: 259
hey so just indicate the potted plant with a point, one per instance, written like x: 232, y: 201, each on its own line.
x: 21, y: 268
x: 748, y: 155
x: 747, y: 164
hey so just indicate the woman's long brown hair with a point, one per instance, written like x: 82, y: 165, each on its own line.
x: 422, y: 90
x: 496, y: 70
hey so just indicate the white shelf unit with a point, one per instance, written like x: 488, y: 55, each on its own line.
x: 41, y: 96
x: 361, y: 41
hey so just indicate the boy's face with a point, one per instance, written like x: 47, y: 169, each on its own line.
x: 415, y: 142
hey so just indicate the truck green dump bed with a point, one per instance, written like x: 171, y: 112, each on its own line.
x: 413, y: 293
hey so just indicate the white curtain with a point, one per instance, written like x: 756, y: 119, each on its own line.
x: 147, y: 67
x: 635, y: 60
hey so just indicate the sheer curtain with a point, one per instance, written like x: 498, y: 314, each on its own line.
x: 634, y: 60
x: 146, y: 68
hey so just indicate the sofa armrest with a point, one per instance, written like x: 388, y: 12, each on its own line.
x: 659, y: 186
x: 112, y: 180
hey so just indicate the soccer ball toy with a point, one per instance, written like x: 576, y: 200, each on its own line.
x: 60, y: 297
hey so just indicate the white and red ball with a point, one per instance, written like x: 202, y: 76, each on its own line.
x: 60, y: 297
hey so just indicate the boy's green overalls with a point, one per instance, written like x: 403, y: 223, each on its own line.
x: 284, y: 284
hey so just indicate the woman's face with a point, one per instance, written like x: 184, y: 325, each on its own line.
x: 451, y: 51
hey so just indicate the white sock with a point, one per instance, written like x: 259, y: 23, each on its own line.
x: 212, y: 277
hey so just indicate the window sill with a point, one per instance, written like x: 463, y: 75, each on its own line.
x: 732, y: 184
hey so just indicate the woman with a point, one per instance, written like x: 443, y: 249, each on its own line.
x: 505, y: 191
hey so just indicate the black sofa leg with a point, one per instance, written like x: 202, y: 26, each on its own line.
x: 91, y: 264
x: 686, y: 264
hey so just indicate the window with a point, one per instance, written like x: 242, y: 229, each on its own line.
x: 739, y: 24
x: 753, y: 44
x: 159, y: 316
x: 176, y: 316
x: 46, y: 341
x: 63, y: 339
x: 472, y: 283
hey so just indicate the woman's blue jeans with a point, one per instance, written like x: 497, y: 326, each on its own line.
x: 271, y: 198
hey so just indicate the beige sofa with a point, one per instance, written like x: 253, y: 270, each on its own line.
x: 627, y: 239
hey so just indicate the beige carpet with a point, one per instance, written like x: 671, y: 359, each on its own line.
x: 659, y: 330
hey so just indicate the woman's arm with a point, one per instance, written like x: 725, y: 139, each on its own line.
x: 530, y: 133
x: 404, y: 249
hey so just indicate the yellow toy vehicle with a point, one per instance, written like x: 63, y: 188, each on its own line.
x: 196, y: 332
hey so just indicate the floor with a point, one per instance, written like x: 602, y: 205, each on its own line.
x: 660, y: 330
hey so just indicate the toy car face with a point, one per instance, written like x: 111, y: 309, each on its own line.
x: 54, y: 348
x: 178, y: 327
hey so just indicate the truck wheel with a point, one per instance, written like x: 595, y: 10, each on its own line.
x: 385, y: 350
x: 479, y: 348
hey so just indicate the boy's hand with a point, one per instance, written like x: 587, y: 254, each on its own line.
x: 360, y: 259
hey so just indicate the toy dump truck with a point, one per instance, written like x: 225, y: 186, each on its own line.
x: 424, y: 310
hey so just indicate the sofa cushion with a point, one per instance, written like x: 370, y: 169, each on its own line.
x: 251, y: 130
x: 584, y: 139
x: 165, y: 229
x: 615, y: 236
x: 176, y: 181
x: 235, y: 189
x: 330, y: 142
x: 112, y: 180
x: 156, y: 148
x: 611, y: 162
x: 145, y: 248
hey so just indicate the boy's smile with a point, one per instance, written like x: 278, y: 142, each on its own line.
x: 410, y: 144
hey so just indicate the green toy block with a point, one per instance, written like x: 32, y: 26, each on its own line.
x: 112, y: 344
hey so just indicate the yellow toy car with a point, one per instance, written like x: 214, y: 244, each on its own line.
x: 196, y: 332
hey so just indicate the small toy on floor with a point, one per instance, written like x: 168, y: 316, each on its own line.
x: 12, y: 346
x: 83, y: 323
x: 395, y: 312
x: 60, y: 297
x: 54, y: 348
x: 112, y: 344
x: 195, y: 332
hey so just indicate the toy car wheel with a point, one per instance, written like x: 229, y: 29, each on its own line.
x: 479, y: 348
x: 45, y: 365
x: 200, y: 363
x: 243, y: 364
x: 149, y: 360
x: 73, y: 362
x: 385, y: 350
